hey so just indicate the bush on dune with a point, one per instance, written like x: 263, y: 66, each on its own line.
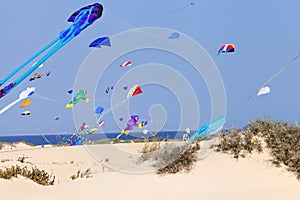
x: 281, y: 138
x: 238, y: 142
x: 175, y: 158
x: 39, y: 176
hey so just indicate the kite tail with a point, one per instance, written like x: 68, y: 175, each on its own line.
x: 9, y: 106
x: 11, y: 86
x: 29, y: 60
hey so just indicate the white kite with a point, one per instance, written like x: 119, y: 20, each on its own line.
x: 23, y: 95
x: 263, y: 90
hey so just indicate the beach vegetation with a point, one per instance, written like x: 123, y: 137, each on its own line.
x: 176, y: 157
x: 149, y: 148
x: 86, y: 174
x: 238, y: 142
x: 39, y: 176
x: 280, y: 138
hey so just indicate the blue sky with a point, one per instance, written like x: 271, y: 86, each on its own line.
x: 265, y: 34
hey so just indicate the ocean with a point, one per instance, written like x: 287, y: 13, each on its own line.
x: 54, y: 139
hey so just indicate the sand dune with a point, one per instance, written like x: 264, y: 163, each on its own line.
x: 218, y: 176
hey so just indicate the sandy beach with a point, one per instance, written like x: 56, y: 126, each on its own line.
x: 217, y: 176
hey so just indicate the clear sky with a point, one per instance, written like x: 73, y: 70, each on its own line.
x: 265, y: 34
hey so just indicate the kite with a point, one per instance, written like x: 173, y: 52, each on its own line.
x: 104, y: 41
x: 35, y: 76
x: 101, y: 123
x: 23, y: 95
x: 56, y: 118
x: 263, y: 90
x: 126, y: 64
x: 38, y: 75
x: 210, y: 128
x: 48, y: 73
x: 81, y: 95
x: 25, y: 113
x: 70, y: 91
x: 93, y: 130
x: 135, y: 90
x: 77, y: 142
x: 99, y: 110
x: 83, y: 127
x: 125, y: 88
x: 81, y: 19
x: 133, y: 122
x: 275, y: 75
x: 226, y: 48
x: 25, y: 103
x: 108, y: 89
x: 174, y: 36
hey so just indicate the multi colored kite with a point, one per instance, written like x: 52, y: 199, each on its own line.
x: 38, y: 75
x: 35, y: 76
x: 81, y: 19
x: 210, y: 128
x: 104, y: 41
x: 25, y: 113
x: 135, y: 90
x: 101, y: 123
x: 81, y: 95
x: 23, y: 95
x: 92, y: 130
x: 126, y: 64
x: 226, y: 48
x: 133, y: 122
x: 109, y: 89
x: 83, y: 127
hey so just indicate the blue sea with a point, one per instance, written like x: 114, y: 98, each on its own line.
x: 67, y: 138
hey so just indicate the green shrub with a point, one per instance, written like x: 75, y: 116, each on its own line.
x: 173, y: 158
x: 281, y: 138
x: 39, y: 176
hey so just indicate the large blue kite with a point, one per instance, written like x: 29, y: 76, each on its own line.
x: 81, y: 19
x: 210, y: 128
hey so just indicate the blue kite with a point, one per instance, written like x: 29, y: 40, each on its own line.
x: 174, y: 36
x: 99, y: 110
x: 209, y: 128
x: 81, y: 19
x: 104, y: 41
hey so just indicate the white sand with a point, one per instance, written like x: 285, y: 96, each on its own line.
x: 218, y: 176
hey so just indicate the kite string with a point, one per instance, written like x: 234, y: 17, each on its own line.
x: 281, y: 69
x: 112, y: 108
x: 178, y: 9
